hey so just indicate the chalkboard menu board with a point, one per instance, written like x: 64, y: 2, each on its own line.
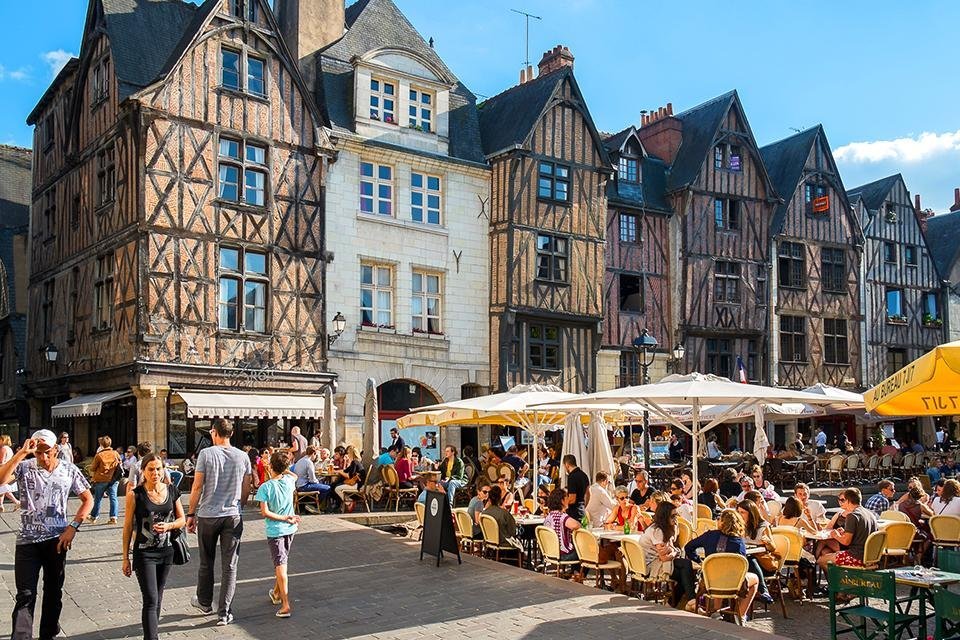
x: 438, y: 533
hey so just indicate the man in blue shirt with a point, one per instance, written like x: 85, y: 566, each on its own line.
x: 821, y: 441
x: 306, y: 471
x: 880, y: 501
x: 387, y: 457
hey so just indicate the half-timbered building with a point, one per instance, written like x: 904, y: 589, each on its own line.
x: 407, y: 225
x: 177, y: 249
x: 637, y: 284
x: 723, y: 203
x: 815, y: 283
x: 547, y: 229
x: 943, y: 238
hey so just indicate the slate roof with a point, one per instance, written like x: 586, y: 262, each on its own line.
x: 651, y: 192
x: 943, y: 240
x: 874, y: 193
x: 15, y: 186
x: 507, y: 118
x: 700, y: 126
x: 785, y: 160
x: 613, y: 141
x: 374, y: 24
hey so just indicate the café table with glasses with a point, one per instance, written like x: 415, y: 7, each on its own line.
x: 921, y: 581
x: 527, y: 524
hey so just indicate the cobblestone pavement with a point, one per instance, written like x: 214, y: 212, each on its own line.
x: 349, y: 581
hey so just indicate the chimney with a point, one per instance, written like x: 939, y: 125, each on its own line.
x: 523, y: 76
x: 916, y: 203
x: 556, y: 58
x: 310, y: 25
x: 956, y: 200
x: 660, y: 132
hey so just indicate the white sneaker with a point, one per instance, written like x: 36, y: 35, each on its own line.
x: 195, y: 603
x: 223, y: 621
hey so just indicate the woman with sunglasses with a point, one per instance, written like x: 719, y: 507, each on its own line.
x: 625, y: 512
x: 763, y: 486
x: 476, y: 506
x: 507, y: 494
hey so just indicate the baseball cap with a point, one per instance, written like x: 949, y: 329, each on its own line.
x: 45, y: 439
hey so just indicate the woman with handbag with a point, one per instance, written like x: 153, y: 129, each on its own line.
x: 757, y: 533
x: 153, y: 516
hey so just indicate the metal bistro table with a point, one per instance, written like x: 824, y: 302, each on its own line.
x: 527, y: 534
x: 920, y: 583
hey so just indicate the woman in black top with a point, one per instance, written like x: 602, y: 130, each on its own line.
x: 152, y: 511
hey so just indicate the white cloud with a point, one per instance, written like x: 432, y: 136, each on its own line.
x: 926, y: 146
x: 18, y: 75
x: 56, y: 60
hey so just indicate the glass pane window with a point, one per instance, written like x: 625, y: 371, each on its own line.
x: 256, y: 154
x: 376, y: 188
x: 726, y: 214
x: 426, y: 303
x: 229, y: 259
x: 255, y: 306
x: 726, y: 282
x: 718, y: 152
x: 719, y: 357
x: 931, y: 307
x: 833, y: 267
x: 230, y: 149
x: 543, y: 346
x: 383, y: 101
x: 103, y: 293
x: 553, y: 182
x: 420, y: 110
x: 425, y: 198
x: 255, y: 187
x: 629, y: 229
x: 230, y: 69
x: 229, y: 304
x: 631, y: 293
x: 910, y: 255
x: 890, y: 252
x: 243, y: 272
x: 376, y: 295
x: 255, y: 263
x: 255, y: 77
x: 552, y: 258
x: 792, y: 265
x: 793, y: 339
x: 229, y: 183
x: 895, y: 304
x: 629, y: 170
x: 236, y: 156
x: 835, y: 348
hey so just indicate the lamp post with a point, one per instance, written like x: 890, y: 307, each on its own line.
x: 51, y: 353
x: 339, y: 324
x: 645, y: 344
x: 678, y: 353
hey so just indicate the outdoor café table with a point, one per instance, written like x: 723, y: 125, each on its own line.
x: 527, y: 534
x: 723, y: 464
x: 921, y: 581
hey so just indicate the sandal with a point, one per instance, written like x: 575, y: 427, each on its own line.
x: 283, y: 614
x: 273, y: 598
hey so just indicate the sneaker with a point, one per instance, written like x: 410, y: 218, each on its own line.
x: 60, y: 633
x: 273, y: 598
x: 765, y: 598
x: 195, y: 603
x: 112, y: 521
x: 91, y: 520
x: 223, y: 621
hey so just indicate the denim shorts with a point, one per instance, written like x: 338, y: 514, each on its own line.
x: 280, y: 549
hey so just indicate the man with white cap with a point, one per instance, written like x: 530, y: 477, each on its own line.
x: 45, y: 482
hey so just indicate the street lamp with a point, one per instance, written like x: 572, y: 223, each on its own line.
x: 645, y: 344
x: 678, y: 353
x: 339, y: 324
x: 51, y: 353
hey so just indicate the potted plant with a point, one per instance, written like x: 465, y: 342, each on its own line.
x: 932, y: 320
x: 897, y: 318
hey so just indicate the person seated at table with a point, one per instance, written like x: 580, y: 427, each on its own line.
x: 812, y: 509
x: 348, y: 480
x: 917, y: 507
x: 756, y: 498
x: 337, y: 459
x: 476, y: 507
x: 726, y: 538
x: 306, y: 471
x: 601, y: 503
x: 888, y: 448
x: 544, y: 467
x: 933, y: 469
x: 763, y: 486
x: 950, y: 467
x: 713, y: 449
x: 387, y: 457
x: 684, y: 506
x: 710, y: 496
x: 543, y: 492
x: 757, y: 534
x: 729, y: 487
x: 798, y: 444
x: 792, y: 515
x: 561, y: 523
x: 431, y: 482
x: 624, y: 512
x: 520, y: 468
x: 659, y: 544
x: 880, y: 501
x: 506, y: 523
x: 453, y: 473
x: 948, y: 502
x: 851, y: 538
x: 640, y: 490
x: 404, y: 467
x: 912, y: 482
x: 686, y: 476
x: 507, y: 495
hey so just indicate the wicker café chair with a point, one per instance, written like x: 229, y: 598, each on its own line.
x: 895, y: 516
x: 946, y: 532
x: 835, y: 467
x: 588, y: 550
x: 873, y: 549
x: 392, y: 489
x: 492, y: 542
x: 899, y: 540
x: 549, y: 545
x: 791, y: 560
x: 705, y: 524
x: 723, y: 574
x: 703, y: 511
x: 635, y: 563
x: 782, y: 544
x: 465, y: 532
x: 684, y: 532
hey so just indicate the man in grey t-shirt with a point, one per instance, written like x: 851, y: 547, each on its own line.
x: 221, y: 484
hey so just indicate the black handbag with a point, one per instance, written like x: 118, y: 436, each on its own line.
x: 181, y: 550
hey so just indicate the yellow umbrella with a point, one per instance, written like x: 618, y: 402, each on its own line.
x: 928, y: 386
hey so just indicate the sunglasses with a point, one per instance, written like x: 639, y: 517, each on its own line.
x: 621, y: 497
x: 483, y: 492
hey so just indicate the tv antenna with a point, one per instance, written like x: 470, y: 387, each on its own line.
x: 527, y: 16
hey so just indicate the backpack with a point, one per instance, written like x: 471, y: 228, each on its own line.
x: 118, y: 469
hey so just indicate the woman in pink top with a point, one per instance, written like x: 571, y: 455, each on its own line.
x: 404, y: 467
x: 562, y: 524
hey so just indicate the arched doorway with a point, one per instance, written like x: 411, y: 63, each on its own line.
x: 396, y: 399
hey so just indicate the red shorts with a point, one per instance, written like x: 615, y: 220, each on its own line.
x: 844, y: 559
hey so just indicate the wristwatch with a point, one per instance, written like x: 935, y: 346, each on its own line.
x: 75, y: 525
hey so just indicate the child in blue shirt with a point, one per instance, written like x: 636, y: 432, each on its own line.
x: 276, y: 497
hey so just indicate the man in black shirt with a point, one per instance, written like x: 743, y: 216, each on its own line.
x: 577, y: 485
x: 676, y: 449
x: 643, y: 491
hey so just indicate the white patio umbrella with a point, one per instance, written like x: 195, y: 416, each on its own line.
x: 760, y: 441
x: 696, y: 391
x: 371, y: 423
x: 574, y: 445
x: 598, y: 451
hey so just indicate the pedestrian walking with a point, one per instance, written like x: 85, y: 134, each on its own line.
x: 64, y: 449
x: 221, y: 482
x: 7, y: 490
x: 45, y: 482
x: 105, y: 472
x: 152, y: 511
x: 276, y: 497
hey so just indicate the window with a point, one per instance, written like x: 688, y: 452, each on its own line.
x: 106, y: 176
x: 47, y: 128
x: 103, y: 293
x: 514, y: 362
x: 243, y: 272
x: 425, y: 198
x: 792, y: 265
x: 256, y: 74
x: 100, y: 81
x: 753, y: 361
x: 833, y: 267
x: 629, y: 229
x: 811, y: 192
x: 631, y: 293
x: 793, y: 339
x: 376, y: 188
x: 896, y: 360
x: 931, y: 308
x: 252, y: 9
x: 383, y: 101
x: 729, y: 157
x: 629, y: 170
x: 718, y: 157
x: 551, y: 258
x: 890, y: 253
x: 726, y: 282
x: 47, y: 309
x: 910, y: 255
x: 890, y: 212
x: 761, y: 286
x: 734, y: 158
x: 629, y: 369
x: 230, y: 69
x: 835, y: 342
x: 240, y: 158
x: 49, y: 214
x: 719, y: 357
x: 236, y: 8
x: 426, y: 303
x: 554, y: 183
x: 726, y: 214
x: 376, y: 295
x: 543, y: 347
x: 895, y: 311
x: 420, y: 110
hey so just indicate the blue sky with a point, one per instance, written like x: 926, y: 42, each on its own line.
x: 880, y: 76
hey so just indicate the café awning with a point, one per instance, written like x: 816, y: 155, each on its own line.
x: 210, y: 404
x: 88, y: 405
x: 928, y: 386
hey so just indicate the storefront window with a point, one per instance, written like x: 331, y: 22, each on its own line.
x: 177, y: 431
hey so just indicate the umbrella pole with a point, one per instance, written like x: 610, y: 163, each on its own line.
x: 696, y: 452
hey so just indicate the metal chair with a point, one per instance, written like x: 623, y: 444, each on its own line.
x: 391, y: 486
x: 723, y: 574
x: 863, y: 619
x: 549, y: 545
x: 492, y: 542
x: 899, y: 540
x: 946, y: 607
x: 588, y: 550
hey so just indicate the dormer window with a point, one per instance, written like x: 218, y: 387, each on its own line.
x: 383, y: 96
x: 628, y: 170
x: 421, y: 110
x: 728, y: 157
x: 234, y: 75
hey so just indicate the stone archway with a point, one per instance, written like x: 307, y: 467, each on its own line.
x: 395, y: 399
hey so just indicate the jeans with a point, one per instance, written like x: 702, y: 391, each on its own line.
x: 685, y: 578
x: 176, y: 477
x: 754, y: 567
x: 323, y: 489
x: 451, y: 486
x: 152, y: 578
x: 99, y: 488
x: 227, y: 531
x: 29, y: 559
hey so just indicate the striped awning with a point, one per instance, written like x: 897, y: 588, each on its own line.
x: 208, y: 404
x: 89, y: 405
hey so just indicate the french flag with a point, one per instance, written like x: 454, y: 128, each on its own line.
x: 741, y: 370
